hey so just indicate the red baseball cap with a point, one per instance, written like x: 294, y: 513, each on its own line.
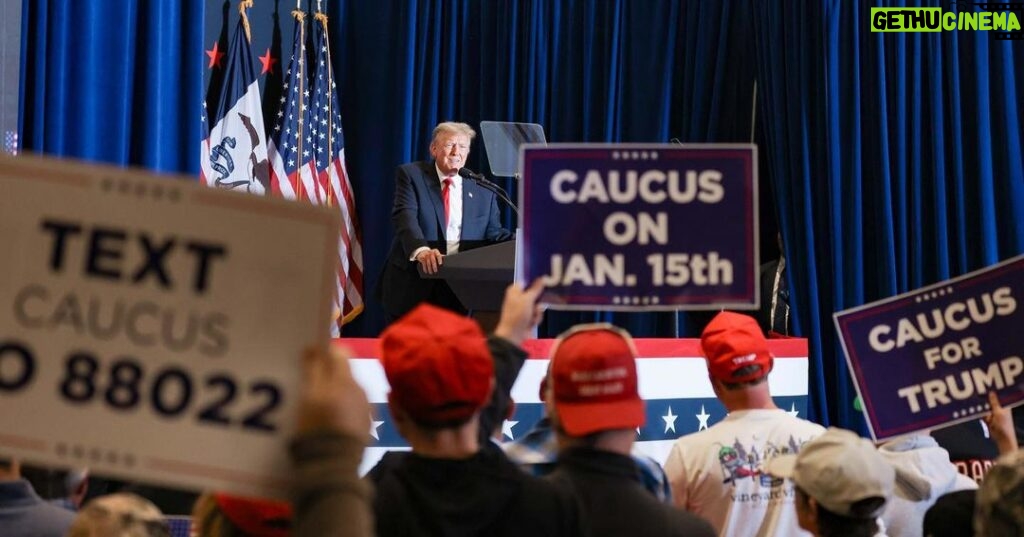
x: 594, y: 381
x: 438, y: 365
x: 256, y: 517
x: 732, y: 341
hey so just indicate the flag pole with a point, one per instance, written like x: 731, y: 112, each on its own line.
x: 300, y: 17
x: 321, y: 17
x: 339, y: 292
x: 243, y: 5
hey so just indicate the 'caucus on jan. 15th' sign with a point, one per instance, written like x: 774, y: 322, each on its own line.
x: 930, y: 357
x: 640, y: 226
x: 151, y: 328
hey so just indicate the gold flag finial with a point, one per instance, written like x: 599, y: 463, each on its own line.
x: 242, y: 6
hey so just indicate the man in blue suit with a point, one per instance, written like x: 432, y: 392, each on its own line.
x: 437, y: 212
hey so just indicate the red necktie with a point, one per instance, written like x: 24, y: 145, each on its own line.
x: 444, y: 196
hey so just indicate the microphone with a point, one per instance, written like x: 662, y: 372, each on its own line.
x: 470, y: 174
x: 489, y: 185
x: 466, y: 172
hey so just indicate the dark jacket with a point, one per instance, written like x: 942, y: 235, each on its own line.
x: 485, y: 495
x: 614, y: 501
x: 24, y: 514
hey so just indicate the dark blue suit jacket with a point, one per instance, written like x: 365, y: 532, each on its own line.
x: 418, y: 219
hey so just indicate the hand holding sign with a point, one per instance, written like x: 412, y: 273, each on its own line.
x: 520, y: 313
x: 1000, y: 424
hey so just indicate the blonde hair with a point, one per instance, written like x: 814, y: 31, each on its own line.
x: 454, y: 128
x: 209, y: 520
x: 119, y: 515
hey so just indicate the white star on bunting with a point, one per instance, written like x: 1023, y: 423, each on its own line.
x: 670, y: 420
x: 703, y: 417
x: 506, y: 428
x: 374, y: 425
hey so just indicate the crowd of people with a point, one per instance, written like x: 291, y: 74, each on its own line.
x: 759, y: 471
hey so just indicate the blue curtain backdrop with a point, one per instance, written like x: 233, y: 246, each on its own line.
x: 890, y: 161
x: 592, y: 71
x: 896, y: 160
x: 115, y: 81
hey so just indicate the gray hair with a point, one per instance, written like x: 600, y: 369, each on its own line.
x: 452, y: 127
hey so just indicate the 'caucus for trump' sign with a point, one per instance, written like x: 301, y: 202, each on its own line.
x: 640, y: 227
x: 930, y: 357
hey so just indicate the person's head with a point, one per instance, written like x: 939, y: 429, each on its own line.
x: 439, y: 368
x: 821, y: 521
x: 737, y: 355
x: 449, y: 146
x: 9, y: 469
x: 224, y: 515
x: 119, y: 515
x: 592, y: 385
x: 952, y: 515
x: 1000, y: 502
x: 842, y: 483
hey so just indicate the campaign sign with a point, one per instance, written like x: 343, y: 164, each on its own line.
x: 929, y: 358
x: 152, y: 328
x: 640, y: 226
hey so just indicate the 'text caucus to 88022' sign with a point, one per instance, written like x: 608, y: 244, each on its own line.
x: 141, y: 317
x: 126, y: 384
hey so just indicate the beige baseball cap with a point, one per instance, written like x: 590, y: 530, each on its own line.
x: 838, y: 469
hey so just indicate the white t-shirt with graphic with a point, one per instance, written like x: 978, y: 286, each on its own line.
x: 718, y: 473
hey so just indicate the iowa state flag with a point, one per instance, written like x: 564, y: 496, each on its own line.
x: 235, y: 152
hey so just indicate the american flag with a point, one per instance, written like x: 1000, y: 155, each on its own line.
x: 234, y: 154
x: 307, y: 154
x: 329, y: 141
x: 290, y: 145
